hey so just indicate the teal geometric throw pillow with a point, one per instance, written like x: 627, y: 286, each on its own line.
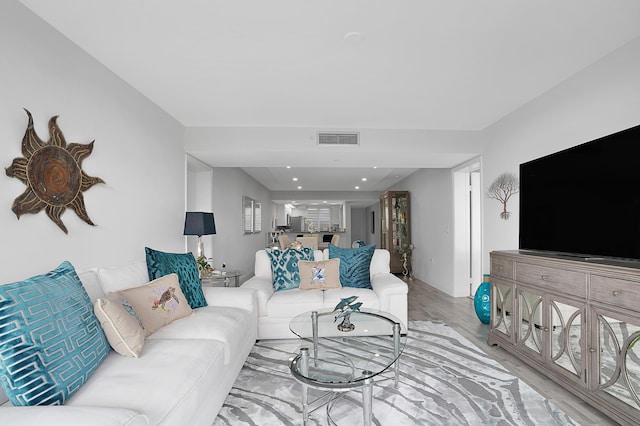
x: 284, y: 266
x: 355, y: 265
x: 184, y: 265
x: 50, y: 339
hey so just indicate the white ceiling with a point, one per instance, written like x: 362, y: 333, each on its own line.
x: 342, y: 64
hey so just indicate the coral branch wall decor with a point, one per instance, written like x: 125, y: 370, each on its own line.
x: 53, y: 174
x: 502, y: 189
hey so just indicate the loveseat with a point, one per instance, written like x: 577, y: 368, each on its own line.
x: 388, y: 293
x: 181, y: 377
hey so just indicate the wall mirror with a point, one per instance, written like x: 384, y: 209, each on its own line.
x: 251, y: 215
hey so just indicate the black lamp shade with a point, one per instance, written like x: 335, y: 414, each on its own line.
x: 199, y: 223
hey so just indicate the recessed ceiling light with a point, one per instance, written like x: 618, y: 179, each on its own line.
x: 324, y: 201
x: 288, y: 167
x: 364, y: 179
x: 375, y: 167
x: 353, y: 37
x: 357, y: 187
x: 295, y: 179
x: 299, y: 187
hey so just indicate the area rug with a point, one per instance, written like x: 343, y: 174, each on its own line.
x: 444, y: 380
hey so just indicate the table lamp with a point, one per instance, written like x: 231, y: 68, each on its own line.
x: 199, y: 223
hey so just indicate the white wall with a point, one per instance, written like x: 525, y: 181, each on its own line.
x: 230, y: 245
x: 601, y: 99
x: 431, y: 226
x: 139, y: 152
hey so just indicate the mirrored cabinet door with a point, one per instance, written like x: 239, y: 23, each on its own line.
x: 618, y: 358
x: 502, y: 307
x: 531, y: 325
x: 567, y: 337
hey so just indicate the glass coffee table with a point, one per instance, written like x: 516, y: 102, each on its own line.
x: 340, y: 361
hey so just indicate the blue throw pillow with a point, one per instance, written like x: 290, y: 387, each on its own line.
x: 184, y: 265
x: 284, y: 266
x: 50, y: 339
x: 355, y: 265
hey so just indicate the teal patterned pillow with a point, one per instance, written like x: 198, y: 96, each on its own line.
x: 50, y: 339
x: 184, y: 265
x: 284, y: 266
x: 355, y: 265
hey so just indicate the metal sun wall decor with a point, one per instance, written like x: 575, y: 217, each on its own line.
x: 53, y: 174
x: 502, y: 189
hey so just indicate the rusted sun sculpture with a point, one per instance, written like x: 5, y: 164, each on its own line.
x: 53, y: 174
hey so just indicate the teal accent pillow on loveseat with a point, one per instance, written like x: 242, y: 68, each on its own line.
x: 284, y: 266
x: 184, y: 266
x: 50, y: 339
x: 355, y: 265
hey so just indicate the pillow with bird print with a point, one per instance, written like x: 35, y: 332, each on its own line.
x: 158, y: 303
x: 322, y: 274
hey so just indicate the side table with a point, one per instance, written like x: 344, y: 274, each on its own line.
x: 210, y: 280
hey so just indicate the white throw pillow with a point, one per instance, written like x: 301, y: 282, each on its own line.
x: 121, y: 324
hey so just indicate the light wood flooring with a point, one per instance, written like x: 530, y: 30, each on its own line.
x: 428, y: 303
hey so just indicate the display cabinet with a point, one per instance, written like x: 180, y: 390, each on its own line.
x: 395, y: 229
x: 575, y: 320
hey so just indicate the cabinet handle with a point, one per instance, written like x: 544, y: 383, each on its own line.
x: 592, y: 350
x: 617, y: 292
x: 544, y: 277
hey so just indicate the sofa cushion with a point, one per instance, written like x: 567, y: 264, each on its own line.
x: 354, y: 265
x: 121, y: 324
x: 158, y: 303
x: 116, y: 278
x: 50, y: 339
x: 184, y: 265
x: 167, y: 383
x: 289, y: 303
x: 368, y: 298
x: 319, y: 275
x: 220, y: 323
x: 284, y: 266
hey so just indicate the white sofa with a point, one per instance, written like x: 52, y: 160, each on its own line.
x: 276, y: 309
x: 182, y: 377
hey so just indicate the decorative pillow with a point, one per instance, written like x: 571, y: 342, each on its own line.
x: 319, y: 275
x: 355, y: 265
x: 158, y: 303
x: 121, y: 324
x: 50, y: 339
x: 184, y: 265
x: 284, y: 266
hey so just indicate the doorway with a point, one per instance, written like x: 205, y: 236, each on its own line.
x: 467, y: 196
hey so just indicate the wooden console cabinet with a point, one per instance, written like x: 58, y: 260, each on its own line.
x: 575, y: 320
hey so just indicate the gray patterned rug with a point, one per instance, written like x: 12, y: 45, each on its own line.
x: 444, y: 380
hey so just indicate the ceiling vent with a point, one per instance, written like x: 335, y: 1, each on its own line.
x: 338, y: 138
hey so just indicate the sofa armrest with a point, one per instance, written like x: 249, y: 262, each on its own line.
x: 392, y: 294
x: 231, y: 297
x: 263, y: 289
x: 65, y: 415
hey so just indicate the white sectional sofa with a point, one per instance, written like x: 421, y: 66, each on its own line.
x: 277, y: 308
x: 182, y: 377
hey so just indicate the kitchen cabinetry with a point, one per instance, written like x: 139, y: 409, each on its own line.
x: 576, y: 321
x: 395, y: 229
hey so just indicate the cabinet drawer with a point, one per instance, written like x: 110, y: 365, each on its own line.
x: 570, y: 282
x: 615, y: 291
x: 502, y: 267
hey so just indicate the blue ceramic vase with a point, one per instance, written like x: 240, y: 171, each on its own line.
x: 482, y: 300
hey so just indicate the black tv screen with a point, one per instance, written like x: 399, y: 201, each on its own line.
x: 585, y: 200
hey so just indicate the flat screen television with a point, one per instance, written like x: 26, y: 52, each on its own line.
x: 584, y: 201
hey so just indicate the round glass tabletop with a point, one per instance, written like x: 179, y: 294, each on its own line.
x: 341, y: 359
